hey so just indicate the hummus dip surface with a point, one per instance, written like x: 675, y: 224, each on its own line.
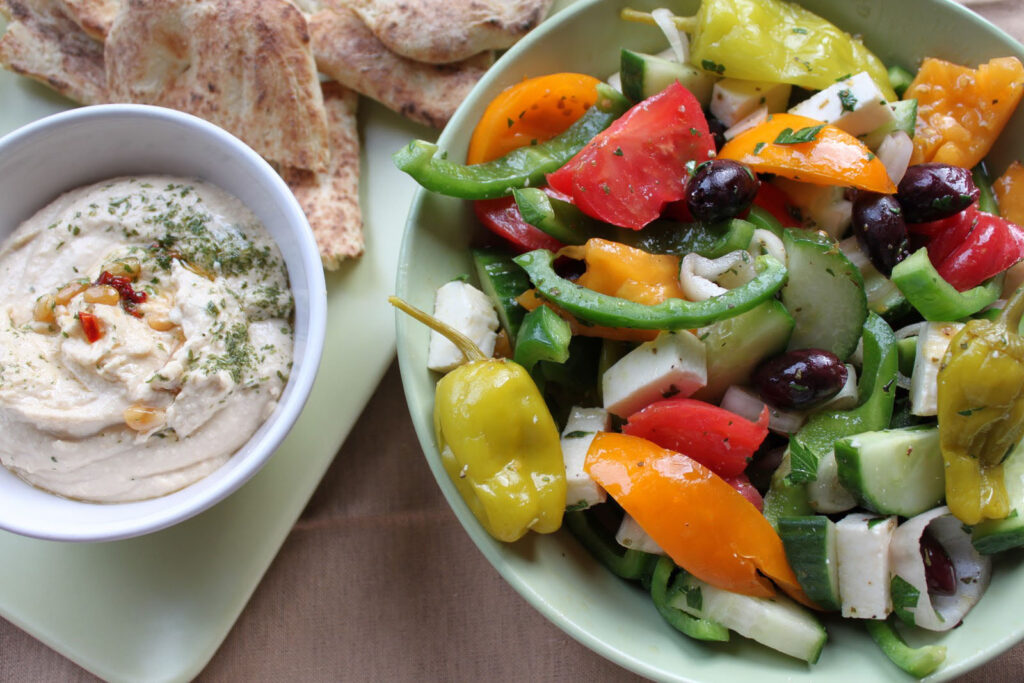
x: 145, y: 335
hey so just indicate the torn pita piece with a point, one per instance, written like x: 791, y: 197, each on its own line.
x: 44, y: 43
x: 347, y: 51
x: 331, y: 200
x: 245, y: 65
x: 93, y: 16
x: 443, y: 31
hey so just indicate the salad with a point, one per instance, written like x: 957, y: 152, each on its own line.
x: 750, y: 330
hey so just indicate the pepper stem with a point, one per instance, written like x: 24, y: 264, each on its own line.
x: 686, y: 24
x: 470, y: 350
x: 1013, y: 310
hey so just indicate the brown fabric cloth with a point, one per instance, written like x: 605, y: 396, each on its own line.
x: 378, y: 581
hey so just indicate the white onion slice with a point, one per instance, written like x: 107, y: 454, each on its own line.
x: 697, y: 275
x: 894, y: 153
x: 973, y: 571
x: 679, y: 41
x: 746, y: 404
x: 768, y: 242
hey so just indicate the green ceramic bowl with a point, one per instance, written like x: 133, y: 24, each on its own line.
x: 554, y: 573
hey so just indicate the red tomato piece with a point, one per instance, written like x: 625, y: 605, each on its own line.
x: 501, y: 216
x: 773, y: 200
x: 742, y: 484
x: 90, y: 326
x: 992, y: 245
x: 972, y: 246
x: 716, y: 438
x: 629, y: 172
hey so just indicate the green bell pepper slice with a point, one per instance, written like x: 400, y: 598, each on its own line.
x: 933, y: 297
x: 671, y: 314
x: 542, y: 336
x: 624, y: 563
x: 662, y: 594
x: 521, y: 167
x: 877, y: 390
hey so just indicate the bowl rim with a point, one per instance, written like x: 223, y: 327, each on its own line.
x: 179, y: 506
x: 475, y: 531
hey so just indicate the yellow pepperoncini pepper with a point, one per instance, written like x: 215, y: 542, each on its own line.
x: 775, y: 41
x: 498, y: 441
x: 981, y: 412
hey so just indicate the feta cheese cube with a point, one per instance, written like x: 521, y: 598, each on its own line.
x: 825, y: 205
x: 631, y: 535
x: 732, y: 99
x: 854, y: 104
x: 862, y: 549
x: 581, y: 491
x: 932, y: 343
x: 465, y: 308
x: 673, y: 364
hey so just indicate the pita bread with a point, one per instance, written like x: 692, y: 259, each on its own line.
x: 347, y: 51
x: 93, y: 16
x: 331, y: 200
x: 245, y: 65
x: 443, y: 31
x: 42, y: 42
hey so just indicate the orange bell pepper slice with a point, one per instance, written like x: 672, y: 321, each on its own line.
x: 961, y: 111
x: 530, y: 112
x: 705, y: 525
x: 832, y: 157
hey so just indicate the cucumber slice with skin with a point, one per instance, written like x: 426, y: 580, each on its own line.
x: 777, y: 622
x: 502, y: 281
x: 824, y: 294
x: 893, y: 471
x: 810, y: 544
x: 647, y: 75
x: 884, y: 297
x: 736, y: 345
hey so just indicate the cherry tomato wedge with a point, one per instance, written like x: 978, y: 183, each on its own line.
x: 529, y: 112
x: 629, y: 172
x: 742, y: 484
x: 501, y: 216
x: 705, y: 525
x: 716, y: 438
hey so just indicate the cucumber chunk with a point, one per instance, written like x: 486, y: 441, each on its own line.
x: 824, y: 294
x: 502, y: 281
x: 736, y: 345
x: 893, y: 471
x: 904, y: 114
x: 810, y: 544
x: 646, y: 75
x: 776, y: 622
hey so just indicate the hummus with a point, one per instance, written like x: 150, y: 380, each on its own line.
x: 145, y: 335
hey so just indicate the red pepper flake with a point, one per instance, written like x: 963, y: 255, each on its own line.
x: 130, y: 298
x: 90, y: 326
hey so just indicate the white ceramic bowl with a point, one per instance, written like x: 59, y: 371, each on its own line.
x: 48, y: 157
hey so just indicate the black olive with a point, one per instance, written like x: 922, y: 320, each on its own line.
x: 932, y: 191
x: 880, y: 229
x: 717, y: 129
x: 720, y: 189
x: 799, y: 379
x: 939, y: 572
